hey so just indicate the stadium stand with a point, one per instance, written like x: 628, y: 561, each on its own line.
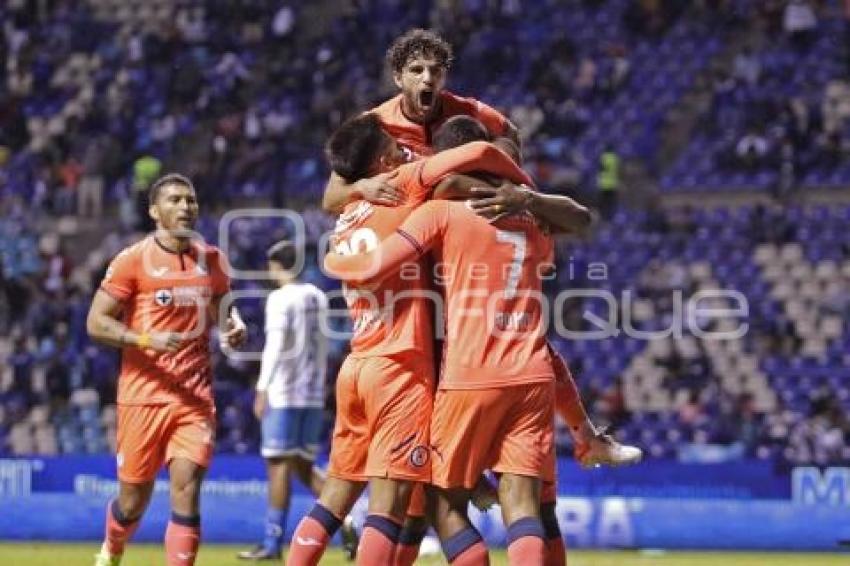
x: 96, y: 96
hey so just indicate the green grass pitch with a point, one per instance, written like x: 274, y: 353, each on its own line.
x: 52, y: 554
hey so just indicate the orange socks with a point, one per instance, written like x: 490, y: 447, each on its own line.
x: 312, y: 536
x: 525, y: 542
x: 182, y: 538
x: 378, y: 543
x: 118, y: 529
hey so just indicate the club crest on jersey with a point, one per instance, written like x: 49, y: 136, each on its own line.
x: 163, y: 297
x: 419, y: 456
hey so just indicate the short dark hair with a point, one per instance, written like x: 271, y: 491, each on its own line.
x: 353, y: 147
x: 459, y: 130
x: 284, y: 253
x: 418, y: 42
x: 167, y: 179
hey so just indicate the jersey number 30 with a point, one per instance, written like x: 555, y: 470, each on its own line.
x: 361, y: 241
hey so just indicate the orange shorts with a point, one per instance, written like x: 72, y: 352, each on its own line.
x: 383, y: 412
x: 507, y: 429
x: 549, y: 490
x: 152, y: 435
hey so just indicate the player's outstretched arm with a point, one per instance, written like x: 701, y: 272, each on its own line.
x: 374, y: 266
x: 413, y: 238
x: 104, y: 327
x: 560, y: 213
x: 473, y: 156
x: 378, y: 190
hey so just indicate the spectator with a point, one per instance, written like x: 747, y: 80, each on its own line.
x: 799, y: 22
x: 90, y: 193
x: 145, y: 170
x: 608, y: 181
x: 747, y: 67
x: 751, y: 150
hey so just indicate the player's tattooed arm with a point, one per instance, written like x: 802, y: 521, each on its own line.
x: 378, y: 189
x: 105, y: 327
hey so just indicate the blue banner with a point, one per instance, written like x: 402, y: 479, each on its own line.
x: 745, y: 480
x: 725, y: 506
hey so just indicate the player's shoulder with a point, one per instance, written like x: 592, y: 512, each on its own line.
x: 387, y: 109
x: 311, y: 290
x: 132, y: 252
x: 355, y: 214
x: 456, y: 104
x: 209, y: 251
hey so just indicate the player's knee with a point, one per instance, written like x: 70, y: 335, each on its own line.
x: 389, y: 497
x: 338, y: 496
x: 519, y: 497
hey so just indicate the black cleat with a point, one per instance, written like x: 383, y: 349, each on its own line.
x: 259, y: 552
x: 350, y: 538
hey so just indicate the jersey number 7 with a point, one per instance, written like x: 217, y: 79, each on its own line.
x: 517, y: 240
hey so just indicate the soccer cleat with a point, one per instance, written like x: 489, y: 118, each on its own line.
x: 259, y: 552
x: 350, y: 538
x: 103, y: 558
x: 430, y: 547
x: 603, y: 450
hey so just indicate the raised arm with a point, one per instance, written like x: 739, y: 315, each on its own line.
x: 561, y: 214
x: 474, y: 156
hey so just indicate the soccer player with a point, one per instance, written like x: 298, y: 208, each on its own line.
x: 385, y: 387
x: 290, y: 395
x: 158, y: 303
x: 494, y: 405
x: 419, y: 61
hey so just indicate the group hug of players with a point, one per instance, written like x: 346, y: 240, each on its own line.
x: 426, y: 182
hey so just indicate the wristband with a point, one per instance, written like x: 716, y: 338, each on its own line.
x: 144, y: 340
x: 121, y: 338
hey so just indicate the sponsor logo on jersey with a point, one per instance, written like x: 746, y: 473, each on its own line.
x: 163, y: 297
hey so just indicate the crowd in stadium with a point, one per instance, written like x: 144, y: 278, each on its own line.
x: 97, y: 101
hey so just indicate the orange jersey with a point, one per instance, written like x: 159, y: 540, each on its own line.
x: 395, y: 316
x: 492, y: 275
x: 165, y: 291
x: 417, y: 137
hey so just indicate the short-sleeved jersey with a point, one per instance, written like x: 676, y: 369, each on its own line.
x: 396, y: 316
x: 492, y: 274
x: 417, y: 137
x: 294, y: 376
x: 165, y: 291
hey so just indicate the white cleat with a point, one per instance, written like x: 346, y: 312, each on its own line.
x: 103, y: 558
x: 430, y: 547
x: 603, y: 450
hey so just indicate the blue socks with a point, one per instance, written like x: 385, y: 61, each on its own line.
x: 275, y: 527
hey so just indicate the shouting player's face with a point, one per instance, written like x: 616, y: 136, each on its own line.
x: 421, y: 80
x: 176, y: 208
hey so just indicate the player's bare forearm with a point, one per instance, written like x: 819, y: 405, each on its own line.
x: 458, y: 187
x: 562, y: 214
x: 103, y: 326
x: 474, y: 156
